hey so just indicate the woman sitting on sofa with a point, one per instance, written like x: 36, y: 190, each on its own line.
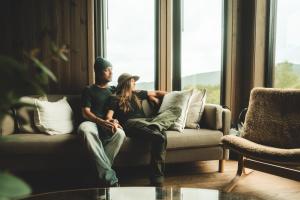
x: 126, y: 106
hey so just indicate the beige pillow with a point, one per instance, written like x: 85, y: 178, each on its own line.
x: 196, y: 108
x: 177, y: 99
x: 54, y: 117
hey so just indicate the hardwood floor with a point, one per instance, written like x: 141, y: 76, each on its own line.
x: 194, y: 175
x: 205, y: 175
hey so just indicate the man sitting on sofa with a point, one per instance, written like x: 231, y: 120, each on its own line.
x: 102, y: 138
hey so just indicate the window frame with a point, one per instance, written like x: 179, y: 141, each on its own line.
x: 101, y: 14
x: 270, y: 42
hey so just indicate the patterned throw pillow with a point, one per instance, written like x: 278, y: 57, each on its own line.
x: 177, y: 99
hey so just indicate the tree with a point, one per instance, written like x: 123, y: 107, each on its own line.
x: 285, y: 77
x: 212, y: 92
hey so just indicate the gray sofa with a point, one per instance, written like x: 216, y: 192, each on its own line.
x: 23, y: 151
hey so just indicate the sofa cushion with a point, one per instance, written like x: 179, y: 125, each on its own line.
x: 40, y: 144
x: 192, y: 138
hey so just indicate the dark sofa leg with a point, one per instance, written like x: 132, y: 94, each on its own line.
x: 221, y: 166
x: 237, y: 177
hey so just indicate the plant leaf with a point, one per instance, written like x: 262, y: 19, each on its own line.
x: 12, y: 187
x: 44, y: 68
x: 60, y: 52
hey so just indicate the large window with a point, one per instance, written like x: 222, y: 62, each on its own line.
x: 201, y: 46
x: 150, y: 38
x: 287, y: 46
x: 130, y: 39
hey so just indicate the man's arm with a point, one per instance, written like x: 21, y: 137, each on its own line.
x: 156, y: 95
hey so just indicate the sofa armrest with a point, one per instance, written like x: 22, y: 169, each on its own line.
x: 7, y: 125
x: 215, y: 117
x: 226, y: 119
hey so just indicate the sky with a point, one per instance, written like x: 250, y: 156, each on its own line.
x: 288, y: 31
x: 130, y: 36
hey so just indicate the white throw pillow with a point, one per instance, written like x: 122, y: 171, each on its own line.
x: 53, y: 117
x: 179, y: 99
x: 195, y: 111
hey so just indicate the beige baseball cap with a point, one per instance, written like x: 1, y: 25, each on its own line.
x: 124, y: 77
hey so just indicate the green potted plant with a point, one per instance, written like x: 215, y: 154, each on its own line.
x: 16, y: 80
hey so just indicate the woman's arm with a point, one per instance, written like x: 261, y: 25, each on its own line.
x: 109, y: 115
x: 109, y: 118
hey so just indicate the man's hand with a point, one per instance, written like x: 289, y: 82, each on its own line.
x: 110, y: 125
x: 106, y: 124
x: 113, y: 121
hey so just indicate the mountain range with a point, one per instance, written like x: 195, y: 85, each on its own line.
x: 206, y: 78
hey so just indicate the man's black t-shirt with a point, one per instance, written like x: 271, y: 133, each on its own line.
x: 134, y: 112
x: 97, y: 99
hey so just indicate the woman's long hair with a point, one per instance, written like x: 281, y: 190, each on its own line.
x: 125, y: 95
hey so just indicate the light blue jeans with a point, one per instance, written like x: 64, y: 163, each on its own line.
x: 102, y: 152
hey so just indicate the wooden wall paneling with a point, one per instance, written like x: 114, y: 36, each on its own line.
x: 91, y: 41
x: 84, y: 44
x: 5, y: 9
x: 34, y: 24
x: 63, y: 22
x: 54, y: 34
x: 76, y: 62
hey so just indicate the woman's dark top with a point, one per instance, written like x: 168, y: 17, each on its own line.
x: 134, y: 112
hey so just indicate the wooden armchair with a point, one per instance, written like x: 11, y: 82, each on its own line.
x: 270, y: 141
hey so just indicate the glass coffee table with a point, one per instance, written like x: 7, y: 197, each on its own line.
x: 140, y: 193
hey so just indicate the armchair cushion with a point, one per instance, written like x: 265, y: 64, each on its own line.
x: 261, y: 152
